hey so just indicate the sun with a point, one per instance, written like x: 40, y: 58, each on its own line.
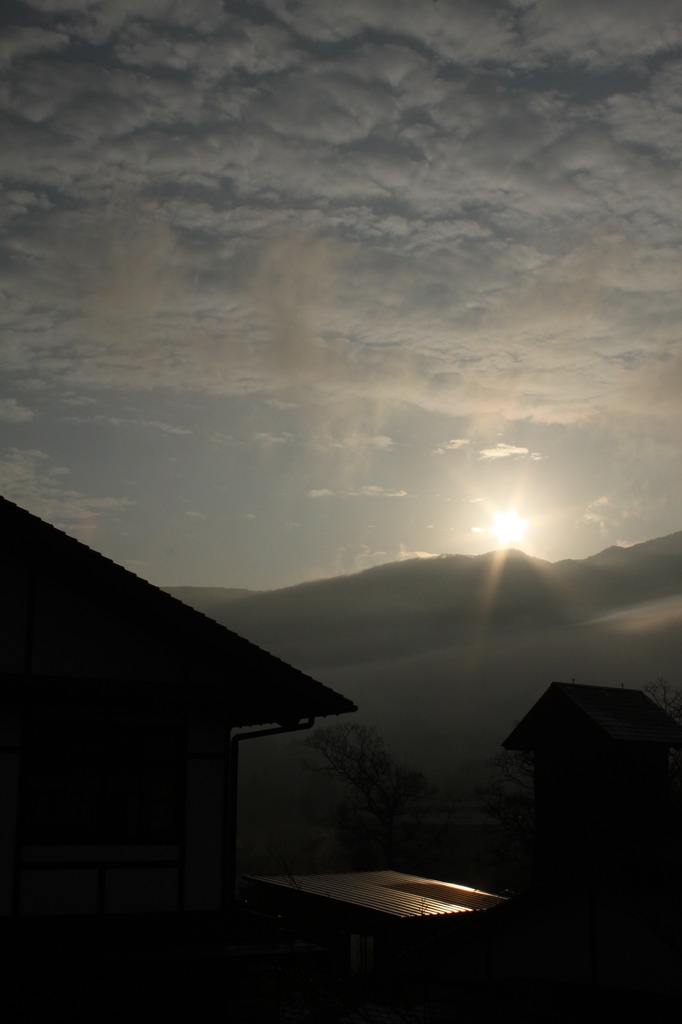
x: 509, y: 528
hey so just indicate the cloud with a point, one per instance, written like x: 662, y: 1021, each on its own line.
x: 451, y: 446
x: 653, y: 390
x: 129, y: 274
x: 30, y: 478
x: 324, y: 258
x: 16, y: 43
x: 132, y: 423
x: 292, y: 286
x: 164, y: 428
x: 221, y: 440
x: 587, y: 34
x: 406, y: 554
x: 12, y: 412
x: 78, y: 400
x: 358, y: 442
x: 367, y: 491
x: 372, y: 491
x: 503, y: 451
x: 601, y: 35
x: 601, y: 513
x: 337, y: 223
x: 269, y: 439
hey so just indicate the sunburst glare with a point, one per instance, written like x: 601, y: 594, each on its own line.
x: 509, y: 528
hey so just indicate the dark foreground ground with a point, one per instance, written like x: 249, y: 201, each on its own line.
x: 257, y: 973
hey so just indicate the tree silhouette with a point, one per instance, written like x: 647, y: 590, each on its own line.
x: 391, y: 815
x: 669, y: 699
x: 509, y: 798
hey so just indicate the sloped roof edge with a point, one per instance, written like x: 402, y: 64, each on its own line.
x: 623, y: 715
x: 53, y: 554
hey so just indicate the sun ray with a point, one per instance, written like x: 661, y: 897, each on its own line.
x: 509, y: 528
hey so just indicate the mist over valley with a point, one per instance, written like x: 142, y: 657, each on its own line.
x: 445, y: 654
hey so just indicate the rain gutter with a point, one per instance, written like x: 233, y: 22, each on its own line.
x: 232, y: 789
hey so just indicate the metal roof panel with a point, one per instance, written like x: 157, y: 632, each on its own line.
x: 390, y: 892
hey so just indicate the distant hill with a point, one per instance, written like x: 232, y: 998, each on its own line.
x: 445, y: 654
x: 213, y: 596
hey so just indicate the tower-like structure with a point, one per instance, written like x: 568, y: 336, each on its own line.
x: 601, y: 770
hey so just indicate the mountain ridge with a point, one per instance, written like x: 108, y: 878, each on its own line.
x: 445, y: 653
x: 500, y: 590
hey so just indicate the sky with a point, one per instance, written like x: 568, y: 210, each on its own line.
x: 291, y: 288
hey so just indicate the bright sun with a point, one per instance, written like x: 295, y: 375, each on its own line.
x: 509, y: 528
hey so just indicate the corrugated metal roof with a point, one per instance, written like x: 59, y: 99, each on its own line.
x: 623, y: 715
x: 390, y: 892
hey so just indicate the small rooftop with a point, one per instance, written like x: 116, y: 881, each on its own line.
x: 389, y: 892
x: 622, y: 715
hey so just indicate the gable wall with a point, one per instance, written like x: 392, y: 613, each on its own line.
x: 53, y: 631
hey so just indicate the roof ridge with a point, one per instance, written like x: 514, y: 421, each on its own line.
x: 55, y: 555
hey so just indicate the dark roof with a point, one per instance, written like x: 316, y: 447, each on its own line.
x: 622, y: 715
x: 257, y: 687
x: 390, y: 892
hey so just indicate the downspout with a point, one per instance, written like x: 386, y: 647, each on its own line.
x: 231, y: 806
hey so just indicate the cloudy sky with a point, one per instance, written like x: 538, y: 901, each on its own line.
x: 295, y: 287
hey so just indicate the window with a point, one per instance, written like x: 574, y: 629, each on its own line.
x: 94, y: 782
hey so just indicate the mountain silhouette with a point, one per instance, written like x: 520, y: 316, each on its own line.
x: 445, y: 653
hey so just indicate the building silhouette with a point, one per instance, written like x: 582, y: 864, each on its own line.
x: 601, y: 771
x: 120, y: 709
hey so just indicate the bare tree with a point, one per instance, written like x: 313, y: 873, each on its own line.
x: 669, y: 699
x: 509, y: 798
x: 391, y: 814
